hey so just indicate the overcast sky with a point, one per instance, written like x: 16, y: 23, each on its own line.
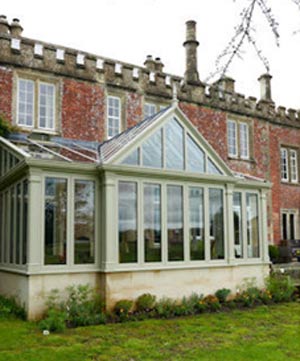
x: 128, y: 30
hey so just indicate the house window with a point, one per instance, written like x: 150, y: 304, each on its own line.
x: 238, y: 139
x: 289, y: 165
x: 84, y: 222
x: 288, y: 224
x: 36, y: 104
x: 46, y: 105
x: 294, y: 166
x: 113, y: 116
x: 55, y: 221
x: 149, y: 109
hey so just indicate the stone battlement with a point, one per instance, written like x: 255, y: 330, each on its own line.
x: 151, y: 80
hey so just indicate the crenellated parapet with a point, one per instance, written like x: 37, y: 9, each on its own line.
x: 150, y: 79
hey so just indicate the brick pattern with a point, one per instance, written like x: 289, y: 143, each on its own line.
x: 6, y: 86
x: 134, y: 109
x: 83, y: 111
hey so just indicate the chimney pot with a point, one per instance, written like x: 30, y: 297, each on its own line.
x: 4, y: 26
x: 150, y: 63
x: 159, y: 65
x: 16, y: 28
x: 265, y: 87
x: 191, y: 75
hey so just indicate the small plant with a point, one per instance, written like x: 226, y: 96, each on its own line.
x: 55, y: 321
x: 222, y: 294
x: 212, y: 302
x: 166, y: 307
x: 265, y: 297
x: 145, y: 302
x: 123, y: 308
x: 281, y: 288
x: 274, y: 253
x: 10, y: 307
x: 84, y: 306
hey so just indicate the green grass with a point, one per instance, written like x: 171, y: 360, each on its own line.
x: 264, y: 333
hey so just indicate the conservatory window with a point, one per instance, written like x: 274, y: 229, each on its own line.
x: 175, y: 222
x: 55, y: 221
x: 196, y: 224
x: 195, y: 156
x: 84, y: 222
x: 152, y: 151
x: 237, y: 224
x: 152, y: 222
x: 174, y: 145
x: 216, y: 223
x: 165, y: 149
x: 128, y: 232
x: 252, y: 225
x: 13, y: 224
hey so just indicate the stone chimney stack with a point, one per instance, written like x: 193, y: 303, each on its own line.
x: 4, y: 26
x: 226, y: 84
x: 191, y: 75
x: 16, y: 28
x: 265, y: 87
x: 150, y: 63
x: 159, y: 65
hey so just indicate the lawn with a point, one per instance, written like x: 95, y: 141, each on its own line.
x: 264, y: 333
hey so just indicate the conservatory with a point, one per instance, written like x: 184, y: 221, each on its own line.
x: 154, y: 209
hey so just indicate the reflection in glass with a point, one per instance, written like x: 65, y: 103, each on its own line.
x: 196, y: 223
x: 55, y: 220
x: 152, y: 150
x: 84, y: 222
x: 133, y: 158
x: 252, y: 225
x: 12, y: 225
x: 237, y: 223
x: 174, y: 145
x: 152, y: 222
x: 127, y: 222
x: 175, y: 223
x: 216, y: 231
x: 18, y: 223
x: 212, y: 168
x: 195, y: 156
x: 25, y: 221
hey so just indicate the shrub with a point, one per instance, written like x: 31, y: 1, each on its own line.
x: 274, y: 253
x: 123, y: 308
x: 189, y: 305
x: 222, y: 294
x: 10, y: 307
x: 249, y: 297
x: 212, y: 302
x: 280, y: 287
x: 145, y: 302
x: 84, y: 306
x: 166, y: 307
x: 55, y: 321
x: 265, y: 297
x: 6, y: 127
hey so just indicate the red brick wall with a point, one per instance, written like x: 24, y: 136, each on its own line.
x: 283, y: 195
x: 6, y: 86
x: 134, y: 109
x: 83, y: 110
